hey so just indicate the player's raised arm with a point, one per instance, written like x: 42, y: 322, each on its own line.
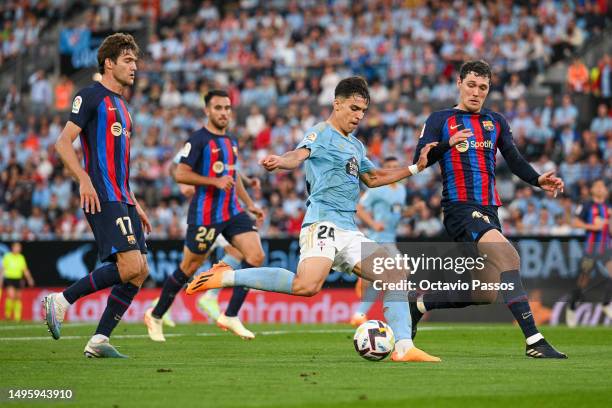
x: 380, y: 177
x: 432, y: 132
x: 287, y: 161
x: 64, y: 148
x: 521, y: 167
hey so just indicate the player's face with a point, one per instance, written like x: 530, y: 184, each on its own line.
x: 219, y: 110
x: 349, y: 112
x: 124, y: 71
x: 473, y: 91
x: 16, y: 248
x: 599, y: 190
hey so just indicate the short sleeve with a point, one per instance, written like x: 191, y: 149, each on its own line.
x: 177, y: 157
x: 366, y: 165
x: 84, y: 105
x: 312, y: 142
x: 191, y: 153
x: 582, y: 212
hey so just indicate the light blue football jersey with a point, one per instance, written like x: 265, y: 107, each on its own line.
x: 385, y: 205
x: 332, y: 175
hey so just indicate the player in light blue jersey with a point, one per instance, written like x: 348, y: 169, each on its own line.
x: 335, y: 162
x: 380, y: 209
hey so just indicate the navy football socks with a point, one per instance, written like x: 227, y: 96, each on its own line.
x: 118, y: 302
x: 172, y: 285
x: 101, y: 278
x: 517, y: 302
x: 238, y: 297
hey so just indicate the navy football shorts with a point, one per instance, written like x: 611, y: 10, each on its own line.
x: 117, y: 228
x: 200, y: 238
x: 466, y: 222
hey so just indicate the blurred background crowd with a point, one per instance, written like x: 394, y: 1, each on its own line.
x: 280, y: 62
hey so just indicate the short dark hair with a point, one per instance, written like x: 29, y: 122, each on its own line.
x: 390, y: 158
x: 350, y: 86
x: 214, y: 92
x: 479, y: 68
x: 114, y: 46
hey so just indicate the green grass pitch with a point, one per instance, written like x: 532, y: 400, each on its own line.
x: 307, y: 366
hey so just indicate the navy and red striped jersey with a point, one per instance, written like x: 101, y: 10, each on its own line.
x: 468, y: 169
x: 596, y: 242
x: 106, y: 127
x: 211, y: 155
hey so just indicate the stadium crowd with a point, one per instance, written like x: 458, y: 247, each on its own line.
x: 281, y: 63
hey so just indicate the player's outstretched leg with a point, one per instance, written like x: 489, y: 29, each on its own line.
x: 55, y: 305
x: 208, y: 303
x: 221, y: 275
x: 502, y: 256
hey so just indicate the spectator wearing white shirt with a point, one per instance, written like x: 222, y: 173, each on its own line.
x: 41, y: 97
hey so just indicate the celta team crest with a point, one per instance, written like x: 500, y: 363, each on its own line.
x: 488, y: 125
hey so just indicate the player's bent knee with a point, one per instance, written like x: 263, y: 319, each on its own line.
x: 306, y: 289
x: 130, y: 265
x: 255, y: 259
x: 189, y: 267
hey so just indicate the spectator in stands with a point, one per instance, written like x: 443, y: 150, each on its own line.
x: 565, y: 115
x: 602, y: 123
x: 578, y: 77
x: 41, y: 97
x: 63, y: 92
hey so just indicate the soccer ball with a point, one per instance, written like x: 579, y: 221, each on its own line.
x: 374, y: 340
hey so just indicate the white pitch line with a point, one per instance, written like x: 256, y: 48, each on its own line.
x: 263, y: 333
x: 34, y: 326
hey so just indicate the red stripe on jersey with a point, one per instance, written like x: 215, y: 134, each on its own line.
x: 591, y: 240
x: 229, y: 160
x: 604, y: 232
x: 111, y: 117
x: 481, y: 160
x: 126, y: 151
x: 210, y: 190
x: 497, y: 136
x: 456, y: 162
x: 85, y: 148
x: 237, y: 206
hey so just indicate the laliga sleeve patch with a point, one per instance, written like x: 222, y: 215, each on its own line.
x: 76, y: 104
x: 186, y: 149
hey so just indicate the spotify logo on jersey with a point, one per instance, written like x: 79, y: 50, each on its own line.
x: 116, y: 129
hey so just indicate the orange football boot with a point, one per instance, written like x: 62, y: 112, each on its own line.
x: 415, y: 355
x: 211, y: 279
